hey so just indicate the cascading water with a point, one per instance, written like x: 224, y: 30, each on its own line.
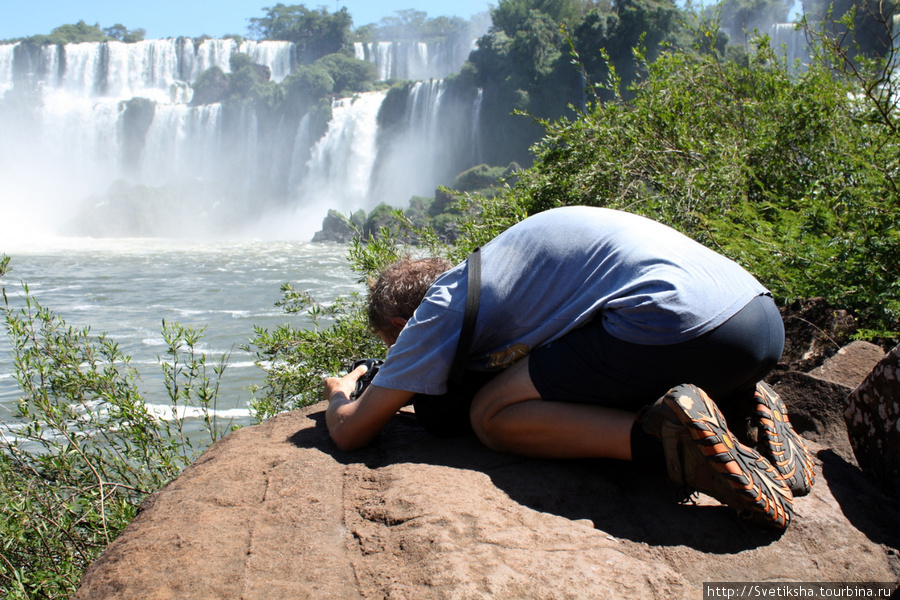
x: 426, y: 146
x: 195, y: 133
x: 74, y: 122
x: 895, y: 35
x: 339, y: 170
x: 414, y: 60
x: 476, y: 131
x: 6, y: 67
x: 790, y: 43
x: 271, y: 54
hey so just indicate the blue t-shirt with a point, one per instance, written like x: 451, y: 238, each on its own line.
x: 556, y: 270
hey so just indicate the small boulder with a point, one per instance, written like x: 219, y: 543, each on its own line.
x: 334, y: 229
x: 816, y: 410
x: 851, y: 365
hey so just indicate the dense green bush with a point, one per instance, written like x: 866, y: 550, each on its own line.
x: 84, y: 451
x: 212, y: 85
x: 349, y: 74
x: 793, y: 176
x: 123, y: 34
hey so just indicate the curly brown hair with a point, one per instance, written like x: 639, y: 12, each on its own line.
x: 400, y: 289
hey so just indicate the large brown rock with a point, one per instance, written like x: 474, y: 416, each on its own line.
x: 276, y: 511
x: 873, y: 422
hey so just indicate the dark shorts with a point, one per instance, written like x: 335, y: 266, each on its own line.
x: 589, y: 365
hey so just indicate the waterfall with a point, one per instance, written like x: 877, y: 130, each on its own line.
x: 86, y: 126
x: 301, y: 152
x: 414, y: 60
x: 383, y: 56
x: 417, y: 64
x: 338, y: 174
x: 149, y: 68
x: 82, y: 68
x: 424, y: 108
x: 278, y: 56
x: 209, y: 53
x: 340, y: 167
x: 7, y: 53
x: 790, y: 44
x: 476, y: 130
x: 895, y: 36
x: 132, y: 69
x: 181, y: 143
x: 432, y: 143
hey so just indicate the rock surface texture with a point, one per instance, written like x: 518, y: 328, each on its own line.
x: 276, y: 511
x: 873, y: 422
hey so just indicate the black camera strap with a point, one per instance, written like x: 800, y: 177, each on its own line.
x: 467, y: 332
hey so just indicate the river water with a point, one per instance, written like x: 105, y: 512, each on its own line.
x: 127, y: 287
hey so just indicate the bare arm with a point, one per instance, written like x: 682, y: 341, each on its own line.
x: 354, y: 423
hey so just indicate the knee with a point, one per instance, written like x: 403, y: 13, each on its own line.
x: 481, y: 422
x: 485, y: 423
x: 488, y: 435
x: 492, y: 407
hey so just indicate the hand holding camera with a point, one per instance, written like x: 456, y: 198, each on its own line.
x: 372, y: 365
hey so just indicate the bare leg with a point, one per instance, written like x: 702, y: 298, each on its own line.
x: 509, y: 416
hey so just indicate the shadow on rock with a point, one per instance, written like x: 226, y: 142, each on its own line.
x: 869, y: 510
x: 619, y: 498
x: 631, y: 503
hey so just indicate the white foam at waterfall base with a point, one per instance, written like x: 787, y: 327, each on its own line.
x: 167, y: 412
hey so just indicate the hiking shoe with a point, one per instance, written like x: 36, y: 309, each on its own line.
x: 778, y: 441
x: 702, y: 454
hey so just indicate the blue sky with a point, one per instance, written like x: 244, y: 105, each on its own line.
x: 172, y: 18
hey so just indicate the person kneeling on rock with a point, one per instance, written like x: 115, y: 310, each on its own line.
x: 589, y: 332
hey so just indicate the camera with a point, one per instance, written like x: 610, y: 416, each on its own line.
x: 372, y: 365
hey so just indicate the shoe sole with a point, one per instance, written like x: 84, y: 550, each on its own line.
x: 745, y: 480
x: 780, y: 443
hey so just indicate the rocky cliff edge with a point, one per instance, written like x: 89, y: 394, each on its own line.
x: 276, y: 511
